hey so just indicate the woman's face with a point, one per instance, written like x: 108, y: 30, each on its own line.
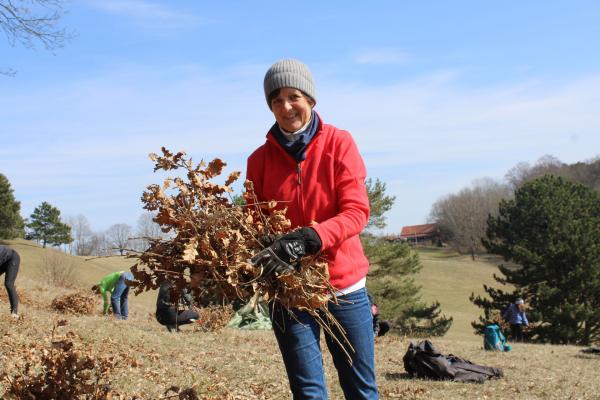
x: 292, y: 109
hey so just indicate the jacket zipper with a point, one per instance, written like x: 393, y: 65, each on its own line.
x: 299, y: 169
x: 300, y: 193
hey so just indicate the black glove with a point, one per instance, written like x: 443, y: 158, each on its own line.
x: 292, y: 246
x: 286, y: 251
x: 308, y: 238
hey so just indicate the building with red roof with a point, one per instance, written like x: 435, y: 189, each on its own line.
x: 420, y: 233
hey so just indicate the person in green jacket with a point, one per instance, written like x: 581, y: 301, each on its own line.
x: 115, y: 283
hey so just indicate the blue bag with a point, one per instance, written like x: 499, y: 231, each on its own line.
x: 494, y: 340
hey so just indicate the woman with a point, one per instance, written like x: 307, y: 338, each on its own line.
x: 315, y: 170
x: 9, y: 265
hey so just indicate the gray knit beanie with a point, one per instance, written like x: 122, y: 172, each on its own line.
x: 289, y: 73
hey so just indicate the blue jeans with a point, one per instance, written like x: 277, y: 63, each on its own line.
x: 118, y: 297
x: 298, y: 337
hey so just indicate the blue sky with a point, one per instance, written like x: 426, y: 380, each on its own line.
x: 436, y: 94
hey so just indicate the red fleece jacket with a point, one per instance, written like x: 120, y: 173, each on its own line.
x: 326, y: 192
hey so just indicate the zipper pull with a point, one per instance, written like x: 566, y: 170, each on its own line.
x: 299, y: 176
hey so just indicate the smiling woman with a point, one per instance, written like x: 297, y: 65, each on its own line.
x: 292, y: 109
x: 316, y: 174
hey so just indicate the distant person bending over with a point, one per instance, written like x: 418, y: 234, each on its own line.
x: 116, y: 284
x: 168, y: 312
x: 515, y: 316
x: 9, y: 265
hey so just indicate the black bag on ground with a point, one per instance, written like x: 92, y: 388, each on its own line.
x: 424, y: 361
x: 591, y: 350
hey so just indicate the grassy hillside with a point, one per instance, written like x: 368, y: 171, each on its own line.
x: 232, y: 364
x: 450, y: 279
x: 87, y: 270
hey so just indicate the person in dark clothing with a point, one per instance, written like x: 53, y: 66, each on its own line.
x: 380, y: 328
x: 9, y: 265
x: 168, y: 312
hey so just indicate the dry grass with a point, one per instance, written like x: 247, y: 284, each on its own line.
x: 231, y: 364
x: 89, y: 270
x: 59, y: 269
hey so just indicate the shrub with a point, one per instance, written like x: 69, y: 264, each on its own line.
x: 59, y: 269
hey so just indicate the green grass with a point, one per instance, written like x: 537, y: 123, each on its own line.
x: 450, y: 279
x: 436, y: 252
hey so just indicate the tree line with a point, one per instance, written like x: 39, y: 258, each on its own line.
x: 462, y: 217
x: 117, y: 238
x: 46, y: 226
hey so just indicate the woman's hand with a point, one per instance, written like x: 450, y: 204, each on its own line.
x: 286, y: 251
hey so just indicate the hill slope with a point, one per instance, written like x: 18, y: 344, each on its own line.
x: 450, y: 279
x: 232, y: 364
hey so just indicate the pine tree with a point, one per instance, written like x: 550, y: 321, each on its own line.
x: 379, y: 202
x: 11, y: 223
x: 391, y: 280
x: 47, y: 227
x: 550, y: 232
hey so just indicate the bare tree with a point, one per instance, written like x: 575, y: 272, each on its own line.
x: 522, y: 173
x: 146, y: 229
x: 31, y: 22
x: 585, y: 172
x: 82, y: 235
x: 462, y: 217
x: 99, y: 244
x: 118, y: 236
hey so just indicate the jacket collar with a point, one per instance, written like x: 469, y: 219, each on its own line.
x: 271, y: 139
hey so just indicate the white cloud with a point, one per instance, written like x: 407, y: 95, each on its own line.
x: 158, y: 16
x: 382, y: 56
x: 429, y: 119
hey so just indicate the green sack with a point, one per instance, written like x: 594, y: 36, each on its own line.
x: 254, y: 315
